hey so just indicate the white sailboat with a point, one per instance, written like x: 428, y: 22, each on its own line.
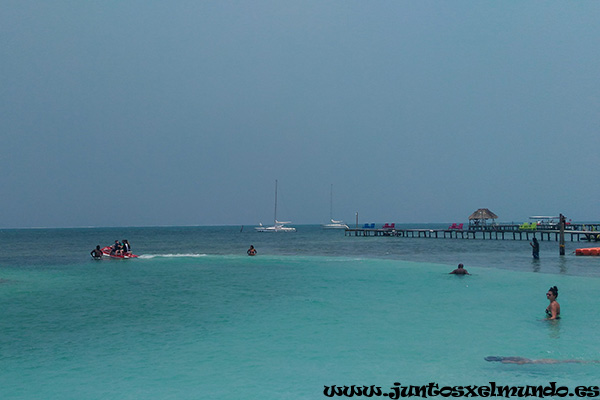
x: 278, y: 226
x: 333, y: 224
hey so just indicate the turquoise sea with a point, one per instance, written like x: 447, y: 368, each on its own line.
x: 196, y: 318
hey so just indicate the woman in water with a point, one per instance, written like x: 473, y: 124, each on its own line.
x: 553, y: 309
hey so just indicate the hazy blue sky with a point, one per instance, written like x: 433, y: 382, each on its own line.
x: 135, y: 113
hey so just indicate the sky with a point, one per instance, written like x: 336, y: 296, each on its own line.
x: 152, y: 113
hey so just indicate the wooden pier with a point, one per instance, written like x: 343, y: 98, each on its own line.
x: 503, y: 232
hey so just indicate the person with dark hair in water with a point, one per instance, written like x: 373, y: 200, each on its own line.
x: 460, y: 270
x: 251, y: 251
x: 553, y: 309
x: 523, y: 360
x: 96, y: 253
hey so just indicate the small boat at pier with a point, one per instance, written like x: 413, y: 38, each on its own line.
x: 333, y: 224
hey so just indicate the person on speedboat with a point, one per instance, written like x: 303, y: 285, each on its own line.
x: 126, y: 247
x: 117, y: 248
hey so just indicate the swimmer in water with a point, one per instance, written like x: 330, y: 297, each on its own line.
x: 460, y: 270
x: 251, y: 251
x: 523, y: 360
x: 553, y: 309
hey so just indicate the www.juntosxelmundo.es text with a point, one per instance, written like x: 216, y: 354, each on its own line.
x: 433, y: 389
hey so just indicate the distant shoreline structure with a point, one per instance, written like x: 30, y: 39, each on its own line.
x: 405, y: 225
x: 526, y: 231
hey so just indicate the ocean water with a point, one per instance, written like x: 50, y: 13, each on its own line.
x: 195, y: 318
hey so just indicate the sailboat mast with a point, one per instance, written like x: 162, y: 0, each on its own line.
x: 275, y: 219
x: 331, y: 203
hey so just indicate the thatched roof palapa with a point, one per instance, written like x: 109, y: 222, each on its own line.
x: 483, y: 213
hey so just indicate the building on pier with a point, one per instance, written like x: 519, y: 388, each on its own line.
x: 478, y: 220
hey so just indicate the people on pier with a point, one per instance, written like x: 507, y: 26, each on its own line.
x: 553, y: 309
x: 460, y: 270
x: 535, y: 246
x: 251, y: 251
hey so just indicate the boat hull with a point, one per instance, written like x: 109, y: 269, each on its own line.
x: 335, y: 226
x: 106, y: 251
x: 275, y: 229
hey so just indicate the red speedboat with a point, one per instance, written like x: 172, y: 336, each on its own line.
x: 108, y: 249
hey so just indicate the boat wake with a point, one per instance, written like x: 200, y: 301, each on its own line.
x: 190, y: 255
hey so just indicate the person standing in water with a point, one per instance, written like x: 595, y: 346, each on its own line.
x: 251, y: 251
x: 535, y: 246
x: 96, y: 253
x: 553, y: 309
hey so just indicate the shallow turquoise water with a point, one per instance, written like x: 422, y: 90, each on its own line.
x: 192, y: 320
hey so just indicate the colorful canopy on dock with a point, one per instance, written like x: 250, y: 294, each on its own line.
x: 483, y: 213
